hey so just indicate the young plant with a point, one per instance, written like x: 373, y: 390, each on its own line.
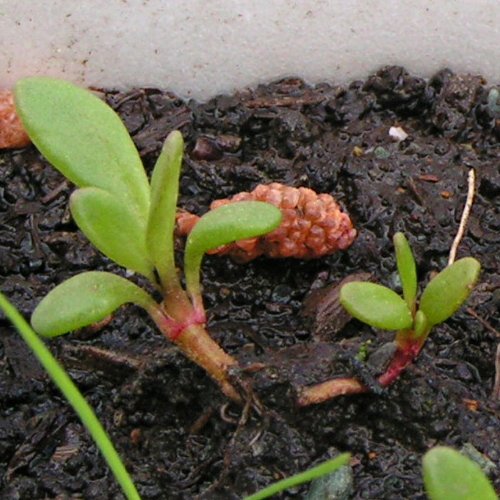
x: 88, y: 417
x: 449, y: 475
x: 130, y: 220
x: 413, y: 320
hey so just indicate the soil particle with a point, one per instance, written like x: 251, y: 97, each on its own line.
x: 179, y: 438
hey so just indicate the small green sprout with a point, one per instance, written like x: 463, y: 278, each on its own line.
x: 130, y: 220
x: 383, y: 308
x: 449, y: 475
x: 413, y: 320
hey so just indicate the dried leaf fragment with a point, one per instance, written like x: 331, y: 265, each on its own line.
x: 322, y: 307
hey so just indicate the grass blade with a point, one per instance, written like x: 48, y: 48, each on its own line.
x: 303, y: 477
x: 74, y: 398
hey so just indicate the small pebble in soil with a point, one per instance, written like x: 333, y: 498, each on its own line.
x: 335, y: 486
x: 206, y: 149
x: 493, y: 97
x: 281, y: 293
x: 381, y: 153
x: 397, y: 134
x: 487, y: 465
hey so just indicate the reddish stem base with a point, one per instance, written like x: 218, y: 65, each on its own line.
x: 408, y: 349
x: 184, y: 325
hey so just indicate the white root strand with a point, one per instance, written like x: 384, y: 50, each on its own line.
x: 471, y: 180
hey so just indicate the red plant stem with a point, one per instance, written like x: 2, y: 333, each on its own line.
x: 408, y: 349
x: 187, y: 330
x: 175, y: 329
x: 198, y: 346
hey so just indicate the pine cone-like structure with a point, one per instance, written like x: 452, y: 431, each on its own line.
x: 12, y: 133
x: 313, y: 225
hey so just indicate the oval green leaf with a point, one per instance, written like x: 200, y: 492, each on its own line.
x: 164, y: 193
x: 448, y: 475
x: 406, y: 268
x: 83, y: 138
x: 449, y: 289
x: 111, y: 226
x: 228, y: 223
x: 85, y: 299
x: 376, y: 305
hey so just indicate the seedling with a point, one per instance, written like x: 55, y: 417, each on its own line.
x: 88, y: 417
x: 413, y: 320
x: 130, y: 220
x: 449, y: 475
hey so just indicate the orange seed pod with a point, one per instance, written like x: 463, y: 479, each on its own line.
x: 313, y: 225
x: 12, y: 133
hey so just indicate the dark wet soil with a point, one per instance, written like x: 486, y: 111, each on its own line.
x: 179, y: 437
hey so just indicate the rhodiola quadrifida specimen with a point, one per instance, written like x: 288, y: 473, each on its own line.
x: 131, y: 220
x: 413, y: 319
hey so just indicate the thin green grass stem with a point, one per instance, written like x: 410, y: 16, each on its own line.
x: 308, y: 475
x: 74, y: 397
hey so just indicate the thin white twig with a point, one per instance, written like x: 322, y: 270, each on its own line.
x: 496, y: 388
x: 471, y: 180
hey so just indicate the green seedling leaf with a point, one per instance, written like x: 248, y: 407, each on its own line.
x: 161, y: 222
x: 449, y: 289
x: 406, y: 268
x: 228, y: 223
x: 85, y: 299
x: 448, y: 475
x: 74, y: 398
x: 376, y: 305
x: 112, y: 227
x: 83, y: 138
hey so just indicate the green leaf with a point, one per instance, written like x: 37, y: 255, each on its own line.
x: 228, y: 223
x: 320, y: 470
x: 421, y: 327
x: 406, y: 268
x: 111, y: 226
x: 74, y: 397
x: 161, y: 222
x: 83, y: 138
x: 448, y: 475
x: 376, y: 305
x: 449, y: 289
x: 85, y: 299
